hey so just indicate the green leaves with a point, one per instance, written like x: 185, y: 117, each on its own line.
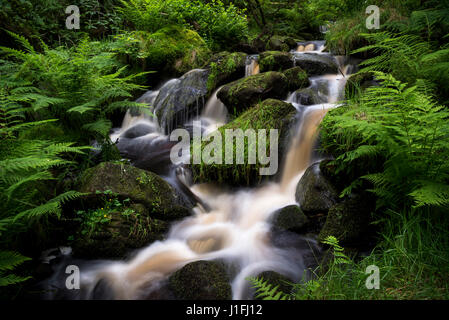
x: 8, y: 261
x: 266, y: 291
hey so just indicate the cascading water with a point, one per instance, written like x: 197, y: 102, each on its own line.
x: 236, y: 228
x: 252, y: 65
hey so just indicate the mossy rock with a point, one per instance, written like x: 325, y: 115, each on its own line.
x: 357, y: 83
x: 315, y: 193
x: 290, y: 218
x: 171, y: 50
x: 297, y: 78
x: 269, y: 114
x: 201, y: 280
x: 316, y: 64
x: 275, y: 61
x: 281, y: 43
x: 244, y: 93
x: 275, y: 279
x: 308, y: 97
x: 225, y: 67
x: 349, y: 221
x: 139, y: 185
x: 126, y: 230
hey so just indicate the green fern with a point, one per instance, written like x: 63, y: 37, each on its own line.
x: 267, y: 291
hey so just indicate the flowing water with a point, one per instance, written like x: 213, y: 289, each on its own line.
x: 237, y: 227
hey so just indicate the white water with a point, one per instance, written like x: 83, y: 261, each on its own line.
x: 237, y: 228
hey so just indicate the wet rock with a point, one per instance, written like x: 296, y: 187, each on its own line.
x: 307, y: 97
x: 138, y: 130
x: 297, y: 78
x: 275, y: 61
x: 281, y: 43
x: 244, y: 93
x: 140, y: 186
x: 314, y: 193
x: 290, y: 218
x: 269, y: 114
x: 201, y: 280
x: 315, y: 64
x: 225, y: 67
x: 284, y: 284
x: 112, y: 234
x: 349, y: 221
x: 182, y: 98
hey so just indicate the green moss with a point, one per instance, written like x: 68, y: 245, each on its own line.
x: 269, y: 114
x: 297, y: 78
x: 275, y: 61
x: 225, y: 67
x: 201, y: 280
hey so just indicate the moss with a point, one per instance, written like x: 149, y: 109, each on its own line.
x: 225, y: 67
x: 275, y: 61
x: 244, y: 93
x: 357, y: 83
x: 281, y: 43
x: 139, y: 185
x: 171, y: 49
x: 297, y: 78
x: 290, y: 218
x: 201, y: 280
x: 269, y: 114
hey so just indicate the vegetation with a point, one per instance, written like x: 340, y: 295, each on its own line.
x: 62, y: 91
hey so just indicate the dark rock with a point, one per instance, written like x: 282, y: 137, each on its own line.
x: 281, y: 43
x: 314, y: 193
x: 201, y: 280
x: 225, y: 67
x: 290, y: 218
x: 349, y: 221
x: 316, y: 64
x: 307, y: 97
x: 357, y: 83
x: 297, y: 78
x: 138, y: 130
x: 244, y: 93
x: 275, y: 61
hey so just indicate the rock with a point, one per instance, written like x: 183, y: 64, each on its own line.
x: 285, y: 285
x: 316, y: 64
x: 307, y: 97
x: 138, y: 130
x: 225, y: 67
x: 140, y: 186
x: 269, y: 114
x: 178, y: 100
x: 275, y: 61
x: 349, y: 221
x: 281, y: 43
x: 201, y: 280
x: 121, y: 231
x: 244, y: 93
x: 314, y: 193
x: 290, y: 218
x: 357, y: 83
x: 297, y: 78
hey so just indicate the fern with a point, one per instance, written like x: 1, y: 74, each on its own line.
x: 267, y: 291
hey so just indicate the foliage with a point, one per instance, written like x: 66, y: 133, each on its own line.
x: 265, y: 290
x: 82, y: 85
x: 218, y: 24
x: 26, y: 168
x: 409, y: 130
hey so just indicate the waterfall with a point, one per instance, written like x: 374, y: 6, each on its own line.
x: 236, y: 228
x: 252, y: 65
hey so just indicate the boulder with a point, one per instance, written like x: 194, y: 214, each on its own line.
x: 350, y: 221
x: 308, y: 97
x: 269, y: 114
x: 140, y: 186
x: 275, y: 61
x: 290, y: 218
x: 244, y: 93
x: 112, y: 233
x: 281, y: 43
x: 201, y: 280
x: 225, y: 67
x: 297, y: 78
x: 314, y: 193
x: 178, y: 100
x: 316, y: 64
